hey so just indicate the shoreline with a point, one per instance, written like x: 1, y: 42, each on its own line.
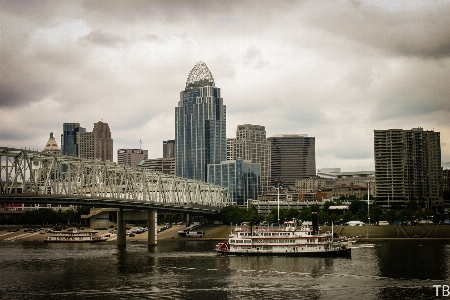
x: 221, y: 232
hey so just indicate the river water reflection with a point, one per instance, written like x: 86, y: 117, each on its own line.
x: 191, y: 270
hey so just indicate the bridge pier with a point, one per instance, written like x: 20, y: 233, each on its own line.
x: 121, y: 231
x: 152, y: 238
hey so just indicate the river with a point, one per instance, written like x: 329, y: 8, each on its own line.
x: 192, y: 270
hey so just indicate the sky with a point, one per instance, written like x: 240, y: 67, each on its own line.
x: 335, y: 70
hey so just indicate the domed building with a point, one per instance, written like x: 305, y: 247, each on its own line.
x: 200, y: 125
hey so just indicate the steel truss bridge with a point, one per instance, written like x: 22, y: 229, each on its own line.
x: 36, y: 177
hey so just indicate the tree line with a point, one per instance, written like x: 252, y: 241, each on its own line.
x: 47, y: 217
x: 358, y: 210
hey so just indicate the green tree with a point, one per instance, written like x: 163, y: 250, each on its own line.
x: 356, y: 205
x: 390, y: 216
x: 376, y: 212
x: 305, y: 214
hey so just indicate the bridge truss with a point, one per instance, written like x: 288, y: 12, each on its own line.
x: 39, y: 175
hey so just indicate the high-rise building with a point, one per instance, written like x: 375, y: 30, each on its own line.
x: 85, y: 142
x: 52, y: 146
x: 69, y: 138
x: 251, y: 144
x: 131, y: 157
x: 169, y: 149
x: 200, y: 125
x: 292, y: 157
x: 408, y: 168
x: 241, y: 177
x: 103, y: 143
x: 446, y: 188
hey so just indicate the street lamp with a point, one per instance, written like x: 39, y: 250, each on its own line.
x: 368, y: 192
x: 279, y: 186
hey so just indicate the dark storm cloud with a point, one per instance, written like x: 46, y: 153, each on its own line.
x: 13, y: 94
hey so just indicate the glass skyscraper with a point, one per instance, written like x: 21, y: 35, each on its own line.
x: 200, y: 125
x: 69, y: 138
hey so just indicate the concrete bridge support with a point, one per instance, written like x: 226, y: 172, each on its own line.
x: 121, y: 230
x: 152, y: 228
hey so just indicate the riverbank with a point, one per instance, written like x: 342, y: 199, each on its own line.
x: 221, y: 232
x: 212, y: 232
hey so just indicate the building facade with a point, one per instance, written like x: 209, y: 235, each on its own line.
x: 163, y: 165
x: 69, y: 138
x: 85, y: 143
x: 169, y: 149
x: 131, y: 157
x: 52, y: 146
x: 200, y: 125
x: 408, y: 168
x: 313, y: 184
x: 241, y: 177
x: 292, y: 157
x: 251, y: 144
x: 103, y: 143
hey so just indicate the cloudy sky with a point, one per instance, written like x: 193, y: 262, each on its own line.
x: 335, y: 70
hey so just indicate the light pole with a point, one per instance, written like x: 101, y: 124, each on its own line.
x: 368, y: 192
x: 279, y: 185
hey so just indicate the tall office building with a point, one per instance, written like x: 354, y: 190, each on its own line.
x: 131, y: 157
x: 103, y: 143
x: 69, y: 138
x: 251, y: 144
x: 408, y: 167
x: 169, y: 149
x: 293, y: 156
x: 200, y: 125
x: 85, y: 143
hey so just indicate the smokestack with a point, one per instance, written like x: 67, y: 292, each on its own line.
x: 315, y: 227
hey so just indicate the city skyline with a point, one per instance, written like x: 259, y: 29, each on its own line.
x: 334, y: 71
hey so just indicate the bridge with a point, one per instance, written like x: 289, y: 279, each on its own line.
x: 28, y: 176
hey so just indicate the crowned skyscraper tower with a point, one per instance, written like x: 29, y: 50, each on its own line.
x: 200, y: 125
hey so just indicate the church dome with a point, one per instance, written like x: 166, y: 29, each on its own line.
x: 199, y: 76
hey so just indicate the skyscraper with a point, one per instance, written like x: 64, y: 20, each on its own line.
x: 69, y: 138
x: 103, y: 143
x: 251, y: 144
x: 85, y: 143
x: 408, y: 167
x: 200, y: 125
x: 293, y: 156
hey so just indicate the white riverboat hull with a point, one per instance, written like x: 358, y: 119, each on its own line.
x: 342, y: 252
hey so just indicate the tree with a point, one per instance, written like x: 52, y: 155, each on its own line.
x: 375, y: 212
x: 356, y: 205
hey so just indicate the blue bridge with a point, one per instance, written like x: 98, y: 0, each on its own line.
x: 36, y: 177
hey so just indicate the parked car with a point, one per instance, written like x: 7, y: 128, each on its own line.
x: 446, y: 222
x: 195, y: 234
x: 383, y: 223
x: 356, y: 223
x: 425, y: 222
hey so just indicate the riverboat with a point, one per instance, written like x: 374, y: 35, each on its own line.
x: 282, y: 240
x: 74, y: 237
